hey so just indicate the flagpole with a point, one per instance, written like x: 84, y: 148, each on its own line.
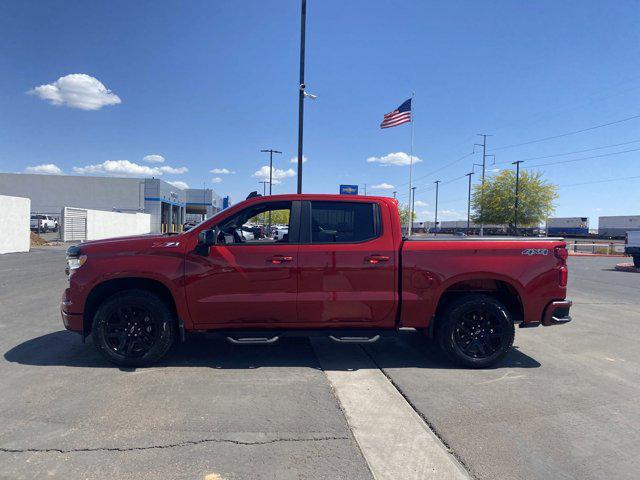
x: 411, y: 170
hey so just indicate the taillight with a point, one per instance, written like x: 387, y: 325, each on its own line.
x: 564, y: 276
x: 561, y: 253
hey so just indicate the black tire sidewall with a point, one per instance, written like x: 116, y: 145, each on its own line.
x: 451, y: 316
x: 157, y: 307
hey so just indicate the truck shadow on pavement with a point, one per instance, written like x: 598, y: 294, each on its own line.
x: 408, y: 350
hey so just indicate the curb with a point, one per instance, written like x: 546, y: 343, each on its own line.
x: 627, y: 267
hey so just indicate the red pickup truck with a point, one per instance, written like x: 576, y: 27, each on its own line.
x: 343, y: 269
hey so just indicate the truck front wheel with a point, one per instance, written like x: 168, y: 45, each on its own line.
x: 133, y: 328
x: 475, y: 331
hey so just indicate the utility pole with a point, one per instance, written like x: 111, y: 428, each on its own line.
x: 413, y: 205
x: 365, y: 189
x: 484, y: 163
x: 270, y: 152
x: 469, y: 204
x: 264, y: 187
x: 437, y: 182
x: 264, y: 192
x: 515, y: 216
x: 301, y: 92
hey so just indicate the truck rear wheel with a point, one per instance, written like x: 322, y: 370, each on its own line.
x: 133, y: 328
x: 475, y: 331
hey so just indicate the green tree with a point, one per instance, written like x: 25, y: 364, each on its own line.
x: 404, y: 210
x: 535, y: 199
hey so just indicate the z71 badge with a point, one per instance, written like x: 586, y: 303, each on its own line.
x: 535, y: 251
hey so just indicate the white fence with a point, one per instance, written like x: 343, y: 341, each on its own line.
x: 14, y: 218
x: 83, y: 224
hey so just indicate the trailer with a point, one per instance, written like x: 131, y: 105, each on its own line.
x: 617, y: 226
x: 568, y: 227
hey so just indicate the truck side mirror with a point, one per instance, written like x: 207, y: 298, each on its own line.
x: 208, y: 238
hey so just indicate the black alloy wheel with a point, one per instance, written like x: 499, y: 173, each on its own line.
x: 475, y: 330
x: 131, y: 331
x: 134, y: 328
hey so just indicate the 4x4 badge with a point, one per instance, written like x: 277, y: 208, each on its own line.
x: 535, y: 251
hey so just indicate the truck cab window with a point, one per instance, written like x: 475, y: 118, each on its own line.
x: 264, y: 223
x: 343, y: 222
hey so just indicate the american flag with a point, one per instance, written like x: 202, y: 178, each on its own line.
x: 400, y: 115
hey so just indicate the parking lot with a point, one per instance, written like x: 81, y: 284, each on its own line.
x: 562, y: 405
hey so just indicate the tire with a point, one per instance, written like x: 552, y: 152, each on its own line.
x: 134, y: 328
x: 475, y: 331
x: 636, y: 261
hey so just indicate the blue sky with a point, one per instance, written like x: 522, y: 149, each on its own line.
x: 206, y: 85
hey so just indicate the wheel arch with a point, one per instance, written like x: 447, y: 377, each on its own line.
x: 103, y: 290
x: 503, y: 289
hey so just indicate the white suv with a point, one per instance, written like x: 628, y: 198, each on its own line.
x: 44, y: 223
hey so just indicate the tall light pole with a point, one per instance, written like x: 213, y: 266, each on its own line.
x: 437, y: 182
x: 270, y: 151
x: 515, y: 216
x: 469, y: 203
x: 395, y: 192
x: 303, y: 22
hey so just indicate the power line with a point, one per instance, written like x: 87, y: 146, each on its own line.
x: 566, y: 134
x: 583, y: 158
x: 441, y: 168
x: 601, y: 181
x: 575, y: 151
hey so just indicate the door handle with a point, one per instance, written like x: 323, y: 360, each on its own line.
x: 374, y: 259
x: 278, y: 259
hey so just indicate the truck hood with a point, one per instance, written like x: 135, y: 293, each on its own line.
x: 131, y: 243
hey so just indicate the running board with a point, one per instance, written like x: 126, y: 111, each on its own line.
x: 252, y: 340
x: 346, y: 339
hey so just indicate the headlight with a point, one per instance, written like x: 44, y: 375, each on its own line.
x: 73, y: 263
x: 74, y: 260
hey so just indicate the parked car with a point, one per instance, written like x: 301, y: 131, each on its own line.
x: 344, y: 271
x: 632, y: 246
x: 43, y: 223
x: 280, y: 231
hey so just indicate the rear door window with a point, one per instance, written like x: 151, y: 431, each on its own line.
x: 344, y: 222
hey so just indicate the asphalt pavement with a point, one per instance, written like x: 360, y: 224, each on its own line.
x: 562, y: 405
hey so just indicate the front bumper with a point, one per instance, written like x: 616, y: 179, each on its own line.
x: 557, y: 312
x: 71, y: 321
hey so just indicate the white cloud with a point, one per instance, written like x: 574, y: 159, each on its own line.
x: 46, y: 168
x: 383, y: 186
x: 397, y: 159
x: 153, y: 158
x: 77, y: 91
x: 420, y: 203
x: 277, y: 176
x: 127, y: 168
x: 216, y: 180
x: 222, y: 171
x: 179, y: 184
x: 172, y: 170
x: 295, y: 159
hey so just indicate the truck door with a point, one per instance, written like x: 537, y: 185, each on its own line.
x: 348, y: 265
x: 248, y: 278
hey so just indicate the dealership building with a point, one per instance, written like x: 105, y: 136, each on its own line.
x: 168, y: 205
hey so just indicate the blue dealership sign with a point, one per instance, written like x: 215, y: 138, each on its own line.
x: 348, y: 189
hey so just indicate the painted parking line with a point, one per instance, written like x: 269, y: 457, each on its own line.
x: 395, y: 441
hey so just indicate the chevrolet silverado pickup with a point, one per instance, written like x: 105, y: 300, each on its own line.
x: 343, y: 269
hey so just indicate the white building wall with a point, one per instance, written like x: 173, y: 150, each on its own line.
x: 14, y: 218
x: 101, y: 224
